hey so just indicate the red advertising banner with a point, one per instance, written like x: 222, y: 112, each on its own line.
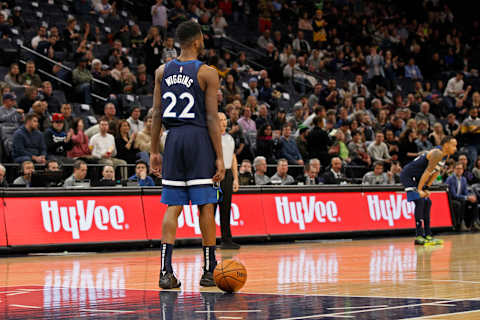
x: 57, y: 220
x: 3, y: 233
x: 347, y: 211
x: 246, y: 217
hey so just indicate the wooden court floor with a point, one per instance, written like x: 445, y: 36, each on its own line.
x: 386, y: 278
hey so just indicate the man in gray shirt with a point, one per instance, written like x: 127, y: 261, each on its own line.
x: 377, y: 176
x: 9, y: 115
x: 79, y: 173
x: 260, y: 164
x: 281, y: 177
x: 26, y: 178
x: 378, y: 150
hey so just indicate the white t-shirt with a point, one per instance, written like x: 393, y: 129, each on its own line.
x: 102, y: 144
x: 228, y: 147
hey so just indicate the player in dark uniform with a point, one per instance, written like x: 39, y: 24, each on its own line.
x: 417, y: 176
x: 185, y: 101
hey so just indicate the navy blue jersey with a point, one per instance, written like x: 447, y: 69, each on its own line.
x: 183, y: 100
x: 413, y: 171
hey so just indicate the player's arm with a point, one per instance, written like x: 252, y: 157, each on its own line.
x: 434, y: 157
x: 211, y: 105
x: 235, y: 173
x: 156, y: 121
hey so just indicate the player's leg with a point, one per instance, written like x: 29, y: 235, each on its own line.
x: 169, y: 230
x: 208, y: 228
x: 428, y: 231
x: 419, y: 220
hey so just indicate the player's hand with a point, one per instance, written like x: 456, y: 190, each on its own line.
x: 220, y: 174
x: 156, y: 163
x: 424, y: 194
x: 235, y: 185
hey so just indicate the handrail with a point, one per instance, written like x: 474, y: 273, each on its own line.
x: 56, y: 78
x: 244, y: 46
x: 45, y: 57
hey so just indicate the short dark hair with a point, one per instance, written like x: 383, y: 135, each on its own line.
x: 51, y: 161
x: 378, y: 163
x: 30, y: 117
x: 187, y: 31
x: 446, y: 139
x: 141, y: 161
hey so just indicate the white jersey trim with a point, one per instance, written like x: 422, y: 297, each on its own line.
x: 195, y: 182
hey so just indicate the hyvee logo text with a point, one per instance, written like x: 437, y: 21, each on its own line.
x: 55, y: 216
x: 390, y: 209
x: 304, y: 211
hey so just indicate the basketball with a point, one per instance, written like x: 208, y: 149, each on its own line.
x: 230, y: 275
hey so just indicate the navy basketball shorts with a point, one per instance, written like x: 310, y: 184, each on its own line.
x: 188, y: 167
x: 410, y: 185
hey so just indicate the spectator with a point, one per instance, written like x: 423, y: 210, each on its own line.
x: 301, y: 142
x: 318, y: 141
x: 375, y: 63
x: 463, y: 202
x: 3, y: 180
x: 104, y: 150
x: 153, y: 50
x: 57, y: 140
x: 39, y: 108
x: 462, y: 158
x: 108, y: 175
x: 41, y: 36
x: 169, y: 52
x: 143, y: 139
x: 358, y: 89
x: 124, y: 142
x: 80, y: 148
x: 422, y: 142
x: 453, y: 90
x: 110, y: 112
x: 9, y: 115
x: 136, y: 125
x: 425, y: 115
x: 378, y: 150
x: 329, y: 97
x: 309, y: 176
x: 52, y: 166
x: 265, y: 144
x: 281, y: 177
x: 13, y: 78
x: 49, y: 98
x: 219, y: 24
x: 79, y: 173
x: 81, y: 78
x: 395, y: 170
x: 66, y: 110
x: 470, y: 131
x: 289, y: 149
x: 408, y: 147
x: 26, y: 174
x: 28, y: 142
x: 143, y: 86
x: 476, y: 169
x: 412, y: 71
x: 358, y: 150
x: 141, y: 175
x: 437, y: 135
x: 377, y: 176
x: 106, y: 9
x: 260, y: 164
x: 245, y: 176
x: 29, y: 77
x: 300, y: 45
x: 159, y: 16
x: 334, y: 175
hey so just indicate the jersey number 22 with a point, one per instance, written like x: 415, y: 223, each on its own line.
x: 186, y: 114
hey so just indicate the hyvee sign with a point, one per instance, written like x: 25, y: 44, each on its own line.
x: 74, y: 219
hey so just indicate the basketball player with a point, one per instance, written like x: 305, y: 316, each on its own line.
x: 417, y: 176
x: 185, y: 101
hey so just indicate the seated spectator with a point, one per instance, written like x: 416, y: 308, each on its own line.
x: 9, y: 115
x: 26, y: 178
x: 464, y: 203
x: 425, y: 114
x: 58, y: 141
x: 103, y: 148
x: 408, y: 147
x: 318, y: 141
x: 169, y: 52
x: 143, y: 139
x: 29, y: 77
x: 80, y: 149
x: 136, y: 125
x: 260, y: 164
x: 301, y: 142
x: 12, y: 78
x: 423, y: 144
x: 28, y: 142
x: 110, y: 112
x: 471, y: 179
x: 392, y: 144
x: 52, y: 166
x: 3, y: 180
x: 245, y: 176
x: 125, y: 143
x: 41, y: 36
x: 476, y: 169
x: 26, y: 102
x: 378, y: 150
x: 309, y: 176
x: 335, y: 174
x: 39, y: 108
x: 395, y: 169
x: 289, y: 149
x: 377, y: 176
x: 66, y: 110
x: 108, y: 175
x: 81, y: 78
x: 141, y: 175
x: 47, y: 92
x: 358, y: 150
x: 281, y: 177
x: 265, y: 144
x: 105, y: 9
x: 412, y: 71
x: 143, y: 86
x: 79, y: 173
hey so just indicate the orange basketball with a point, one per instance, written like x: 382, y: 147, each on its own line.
x: 230, y: 275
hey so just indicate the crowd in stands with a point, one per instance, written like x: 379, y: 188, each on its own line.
x: 332, y: 92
